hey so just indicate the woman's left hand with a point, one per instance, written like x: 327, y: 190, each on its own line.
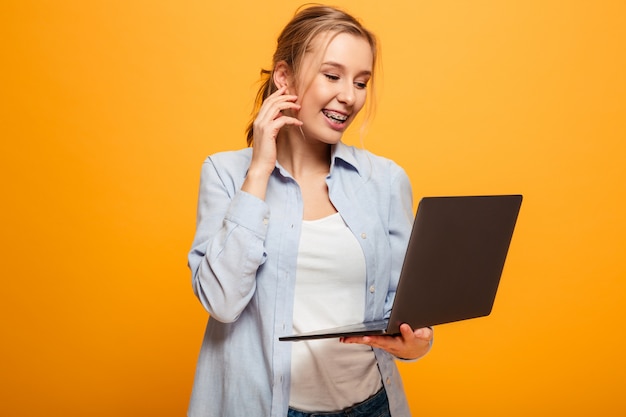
x: 409, y: 344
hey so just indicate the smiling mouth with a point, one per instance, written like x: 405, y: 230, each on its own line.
x: 335, y: 117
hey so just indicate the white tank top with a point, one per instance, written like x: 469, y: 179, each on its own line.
x: 327, y: 375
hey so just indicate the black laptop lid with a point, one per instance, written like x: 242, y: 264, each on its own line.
x: 454, y: 259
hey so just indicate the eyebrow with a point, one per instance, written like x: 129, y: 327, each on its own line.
x: 343, y: 67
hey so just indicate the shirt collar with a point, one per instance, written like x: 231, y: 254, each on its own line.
x: 339, y: 151
x: 345, y: 153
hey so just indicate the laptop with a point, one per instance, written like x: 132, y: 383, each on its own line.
x: 452, y: 266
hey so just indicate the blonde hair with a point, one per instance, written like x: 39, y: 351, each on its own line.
x: 295, y: 40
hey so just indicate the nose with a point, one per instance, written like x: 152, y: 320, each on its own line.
x: 346, y: 94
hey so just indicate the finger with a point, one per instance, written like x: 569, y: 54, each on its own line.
x: 352, y: 339
x: 383, y: 342
x: 273, y: 100
x: 276, y: 97
x: 273, y: 111
x: 274, y: 106
x: 275, y: 94
x: 281, y: 121
x: 364, y: 340
x: 280, y: 91
x: 406, y: 331
x: 264, y: 128
x: 425, y: 333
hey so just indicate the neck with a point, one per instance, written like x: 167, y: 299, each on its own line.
x: 302, y: 157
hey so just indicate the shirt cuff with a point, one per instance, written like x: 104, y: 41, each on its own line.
x: 249, y: 211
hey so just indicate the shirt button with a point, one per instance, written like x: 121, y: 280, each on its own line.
x: 363, y: 235
x: 388, y: 380
x: 372, y: 289
x: 266, y: 221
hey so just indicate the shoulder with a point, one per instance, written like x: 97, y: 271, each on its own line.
x: 235, y: 158
x: 370, y: 166
x: 228, y: 168
x: 228, y: 162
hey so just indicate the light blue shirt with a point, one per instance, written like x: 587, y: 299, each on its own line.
x: 243, y: 263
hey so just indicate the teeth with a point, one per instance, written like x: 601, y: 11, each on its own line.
x: 335, y: 115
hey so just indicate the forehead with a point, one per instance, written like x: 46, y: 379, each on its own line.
x: 345, y: 49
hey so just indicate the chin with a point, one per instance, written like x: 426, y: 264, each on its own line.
x: 328, y: 137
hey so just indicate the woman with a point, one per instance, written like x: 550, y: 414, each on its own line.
x: 298, y: 232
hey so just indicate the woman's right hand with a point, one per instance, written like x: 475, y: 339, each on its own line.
x: 272, y: 116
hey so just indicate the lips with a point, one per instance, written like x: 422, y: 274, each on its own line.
x: 335, y: 116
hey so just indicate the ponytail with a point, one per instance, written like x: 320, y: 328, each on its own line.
x: 266, y: 89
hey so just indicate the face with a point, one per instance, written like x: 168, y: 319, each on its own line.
x: 332, y: 86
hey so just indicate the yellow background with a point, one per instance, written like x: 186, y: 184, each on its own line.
x: 110, y: 106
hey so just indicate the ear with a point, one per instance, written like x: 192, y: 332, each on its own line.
x: 283, y: 76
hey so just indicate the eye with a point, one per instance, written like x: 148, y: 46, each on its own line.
x: 360, y: 85
x: 332, y: 77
